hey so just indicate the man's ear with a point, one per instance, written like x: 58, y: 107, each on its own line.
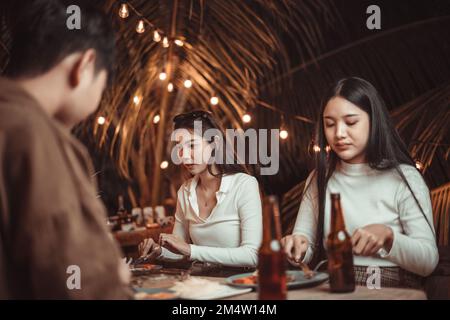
x: 84, y: 64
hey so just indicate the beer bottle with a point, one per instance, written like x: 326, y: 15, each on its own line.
x: 339, y: 249
x: 271, y: 258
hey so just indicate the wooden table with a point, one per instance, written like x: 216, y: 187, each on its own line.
x: 322, y: 292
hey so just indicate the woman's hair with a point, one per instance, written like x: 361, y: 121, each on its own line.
x: 385, y: 149
x: 187, y: 120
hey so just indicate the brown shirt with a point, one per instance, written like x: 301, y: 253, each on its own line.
x: 50, y: 218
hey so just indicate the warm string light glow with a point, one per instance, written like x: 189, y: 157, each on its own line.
x: 123, y: 11
x: 214, y: 101
x: 165, y: 42
x: 316, y: 148
x: 164, y: 164
x: 419, y: 165
x: 327, y: 149
x: 162, y: 76
x: 140, y: 28
x: 101, y: 120
x: 170, y: 87
x: 188, y: 84
x: 246, y: 118
x: 156, y: 119
x: 179, y: 43
x: 156, y: 36
x: 283, y: 134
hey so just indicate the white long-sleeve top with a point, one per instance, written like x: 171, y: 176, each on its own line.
x: 232, y: 234
x: 370, y: 196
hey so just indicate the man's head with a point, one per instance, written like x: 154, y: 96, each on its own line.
x: 72, y: 66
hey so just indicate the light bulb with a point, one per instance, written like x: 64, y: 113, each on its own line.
x: 101, y: 120
x: 246, y: 118
x: 170, y: 87
x: 140, y: 28
x: 187, y: 83
x: 156, y: 36
x: 327, y: 149
x: 123, y: 11
x: 156, y: 119
x: 164, y: 165
x: 316, y: 148
x: 179, y: 43
x: 283, y: 134
x: 419, y: 165
x: 165, y: 42
x: 136, y: 100
x: 214, y: 101
x: 162, y: 76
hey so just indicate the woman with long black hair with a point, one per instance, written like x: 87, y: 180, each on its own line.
x: 219, y: 214
x: 386, y: 203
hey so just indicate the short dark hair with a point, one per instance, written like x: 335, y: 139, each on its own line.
x: 41, y: 39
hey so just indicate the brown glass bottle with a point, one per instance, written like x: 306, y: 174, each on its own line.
x: 339, y: 249
x: 271, y: 258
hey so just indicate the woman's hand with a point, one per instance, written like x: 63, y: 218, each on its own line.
x: 175, y: 244
x: 295, y: 247
x: 367, y: 241
x: 149, y: 249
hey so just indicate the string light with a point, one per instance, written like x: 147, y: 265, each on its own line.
x: 170, y: 87
x: 156, y: 119
x: 188, y: 84
x: 419, y: 165
x: 179, y: 43
x: 283, y: 134
x: 162, y: 76
x: 165, y: 42
x: 316, y: 148
x: 156, y: 36
x: 136, y: 100
x: 140, y: 27
x: 328, y: 149
x: 123, y: 11
x: 246, y: 118
x: 214, y: 101
x: 164, y: 165
x: 101, y: 120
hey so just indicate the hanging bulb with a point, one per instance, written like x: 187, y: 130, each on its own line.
x: 156, y: 36
x: 136, y: 100
x: 214, y: 101
x: 419, y: 165
x: 188, y: 84
x: 156, y: 119
x: 179, y: 43
x: 316, y: 148
x: 140, y: 28
x: 283, y: 134
x: 246, y: 118
x: 165, y: 42
x: 164, y: 165
x: 101, y: 120
x: 123, y: 11
x: 170, y: 87
x: 162, y: 76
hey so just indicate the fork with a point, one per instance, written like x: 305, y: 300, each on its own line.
x: 307, y: 271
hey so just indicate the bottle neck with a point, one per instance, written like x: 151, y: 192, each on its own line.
x: 271, y: 220
x: 337, y: 218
